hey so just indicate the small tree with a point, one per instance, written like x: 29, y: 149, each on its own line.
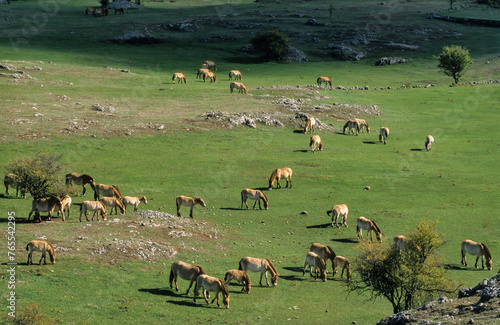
x: 454, y: 60
x: 403, y: 278
x: 273, y: 44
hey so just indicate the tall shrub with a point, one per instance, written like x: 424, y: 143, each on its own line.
x: 272, y: 44
x: 454, y: 61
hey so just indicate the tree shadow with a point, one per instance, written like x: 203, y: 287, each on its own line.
x: 325, y: 225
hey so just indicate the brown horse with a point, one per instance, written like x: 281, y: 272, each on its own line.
x: 310, y: 125
x: 278, y: 174
x: 189, y: 202
x: 363, y: 124
x: 238, y: 85
x: 326, y: 80
x: 209, y: 283
x: 429, y: 140
x: 95, y: 206
x: 201, y: 72
x: 344, y: 263
x: 262, y: 265
x: 313, y: 260
x: 325, y: 252
x: 383, y: 135
x: 106, y: 190
x: 119, y: 11
x: 254, y: 195
x: 100, y: 12
x: 114, y: 203
x: 478, y: 249
x: 179, y: 77
x: 316, y: 143
x: 352, y: 125
x: 40, y: 246
x: 236, y: 74
x: 89, y: 10
x: 370, y: 226
x: 78, y: 179
x: 185, y: 271
x: 134, y: 201
x: 13, y: 181
x: 240, y: 276
x: 209, y: 75
x: 66, y: 203
x: 46, y: 205
x: 211, y: 65
x: 339, y: 210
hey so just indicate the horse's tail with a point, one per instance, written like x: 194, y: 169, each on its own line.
x: 328, y: 212
x: 241, y: 265
x: 312, y: 140
x: 172, y: 277
x: 200, y: 270
x: 28, y: 247
x: 227, y: 273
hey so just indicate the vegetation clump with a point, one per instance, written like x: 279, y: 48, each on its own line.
x: 454, y: 61
x: 272, y: 44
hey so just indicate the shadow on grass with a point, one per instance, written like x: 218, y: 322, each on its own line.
x: 163, y: 292
x: 325, y: 225
x: 345, y: 240
x: 369, y: 142
x: 304, y: 150
x: 299, y: 131
x: 417, y: 149
x: 469, y: 268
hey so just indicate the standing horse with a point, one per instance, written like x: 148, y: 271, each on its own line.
x: 316, y: 143
x: 119, y: 11
x: 238, y: 85
x: 478, y: 249
x: 189, y: 202
x: 240, y: 276
x: 201, y: 72
x: 236, y: 74
x: 134, y: 201
x: 179, y: 77
x: 310, y: 125
x: 339, y: 210
x: 106, y: 190
x: 95, y: 206
x: 113, y: 202
x: 344, y: 263
x: 326, y: 80
x: 383, y: 135
x: 13, y: 181
x: 278, y: 174
x: 46, y: 205
x: 211, y: 65
x: 325, y: 252
x: 428, y: 142
x: 65, y: 205
x: 363, y: 124
x: 352, y: 125
x: 209, y: 283
x: 262, y: 265
x: 313, y: 260
x: 40, y: 246
x: 370, y: 226
x: 254, y: 195
x: 210, y: 75
x: 185, y: 271
x: 78, y: 179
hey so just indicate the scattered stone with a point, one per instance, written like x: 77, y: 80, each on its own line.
x: 390, y: 61
x: 137, y: 37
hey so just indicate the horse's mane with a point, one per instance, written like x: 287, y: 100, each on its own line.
x: 375, y: 226
x: 271, y: 265
x: 51, y: 247
x: 487, y: 252
x: 274, y: 175
x: 331, y: 252
x: 200, y: 270
x: 264, y: 197
x: 117, y: 190
x: 322, y: 264
x: 223, y: 286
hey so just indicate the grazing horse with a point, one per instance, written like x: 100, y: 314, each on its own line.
x: 428, y: 142
x: 100, y: 12
x: 106, y: 190
x: 262, y: 265
x: 185, y: 271
x: 209, y: 283
x: 210, y: 75
x: 40, y: 246
x: 310, y: 125
x: 240, y: 276
x: 254, y: 195
x: 326, y: 80
x: 352, y: 125
x: 325, y: 252
x: 238, y: 85
x: 66, y: 203
x: 95, y: 206
x: 78, y: 179
x: 363, y: 124
x: 179, y: 77
x: 236, y: 74
x: 13, y: 180
x: 404, y: 243
x: 370, y: 226
x: 316, y: 143
x: 46, y: 205
x: 478, y: 249
x: 189, y: 202
x: 134, y: 201
x: 89, y: 10
x: 383, y: 135
x: 211, y: 65
x: 339, y: 210
x: 119, y: 11
x: 201, y: 72
x: 278, y: 174
x: 344, y: 263
x: 313, y: 260
x: 113, y: 202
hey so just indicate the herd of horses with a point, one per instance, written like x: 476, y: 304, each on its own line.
x: 102, y: 12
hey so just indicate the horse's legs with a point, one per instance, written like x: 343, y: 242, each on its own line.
x: 30, y: 259
x: 477, y: 258
x: 84, y: 190
x: 42, y: 258
x: 190, y: 284
x: 191, y: 212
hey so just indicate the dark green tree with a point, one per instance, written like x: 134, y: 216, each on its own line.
x: 272, y: 44
x: 454, y: 61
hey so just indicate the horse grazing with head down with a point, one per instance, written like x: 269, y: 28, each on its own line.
x: 339, y: 210
x: 429, y: 140
x: 78, y: 179
x: 185, y: 271
x: 209, y: 75
x: 313, y: 260
x: 383, y: 135
x: 262, y: 265
x: 325, y: 252
x: 106, y: 190
x: 114, y: 203
x: 370, y: 226
x: 316, y: 143
x: 201, y: 72
x: 95, y: 206
x: 478, y: 249
x: 352, y: 125
x: 14, y: 181
x: 240, y: 276
x: 49, y: 205
x: 209, y: 283
x: 134, y: 201
x: 238, y: 85
x: 325, y: 80
x: 363, y: 125
x: 236, y: 74
x: 278, y: 174
x: 310, y: 125
x: 254, y: 195
x: 180, y: 77
x: 182, y: 200
x: 119, y: 11
x: 40, y: 246
x: 211, y: 65
x: 343, y: 263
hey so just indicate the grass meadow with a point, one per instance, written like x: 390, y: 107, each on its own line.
x: 455, y: 184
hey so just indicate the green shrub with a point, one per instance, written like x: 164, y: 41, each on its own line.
x: 454, y: 61
x: 272, y: 44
